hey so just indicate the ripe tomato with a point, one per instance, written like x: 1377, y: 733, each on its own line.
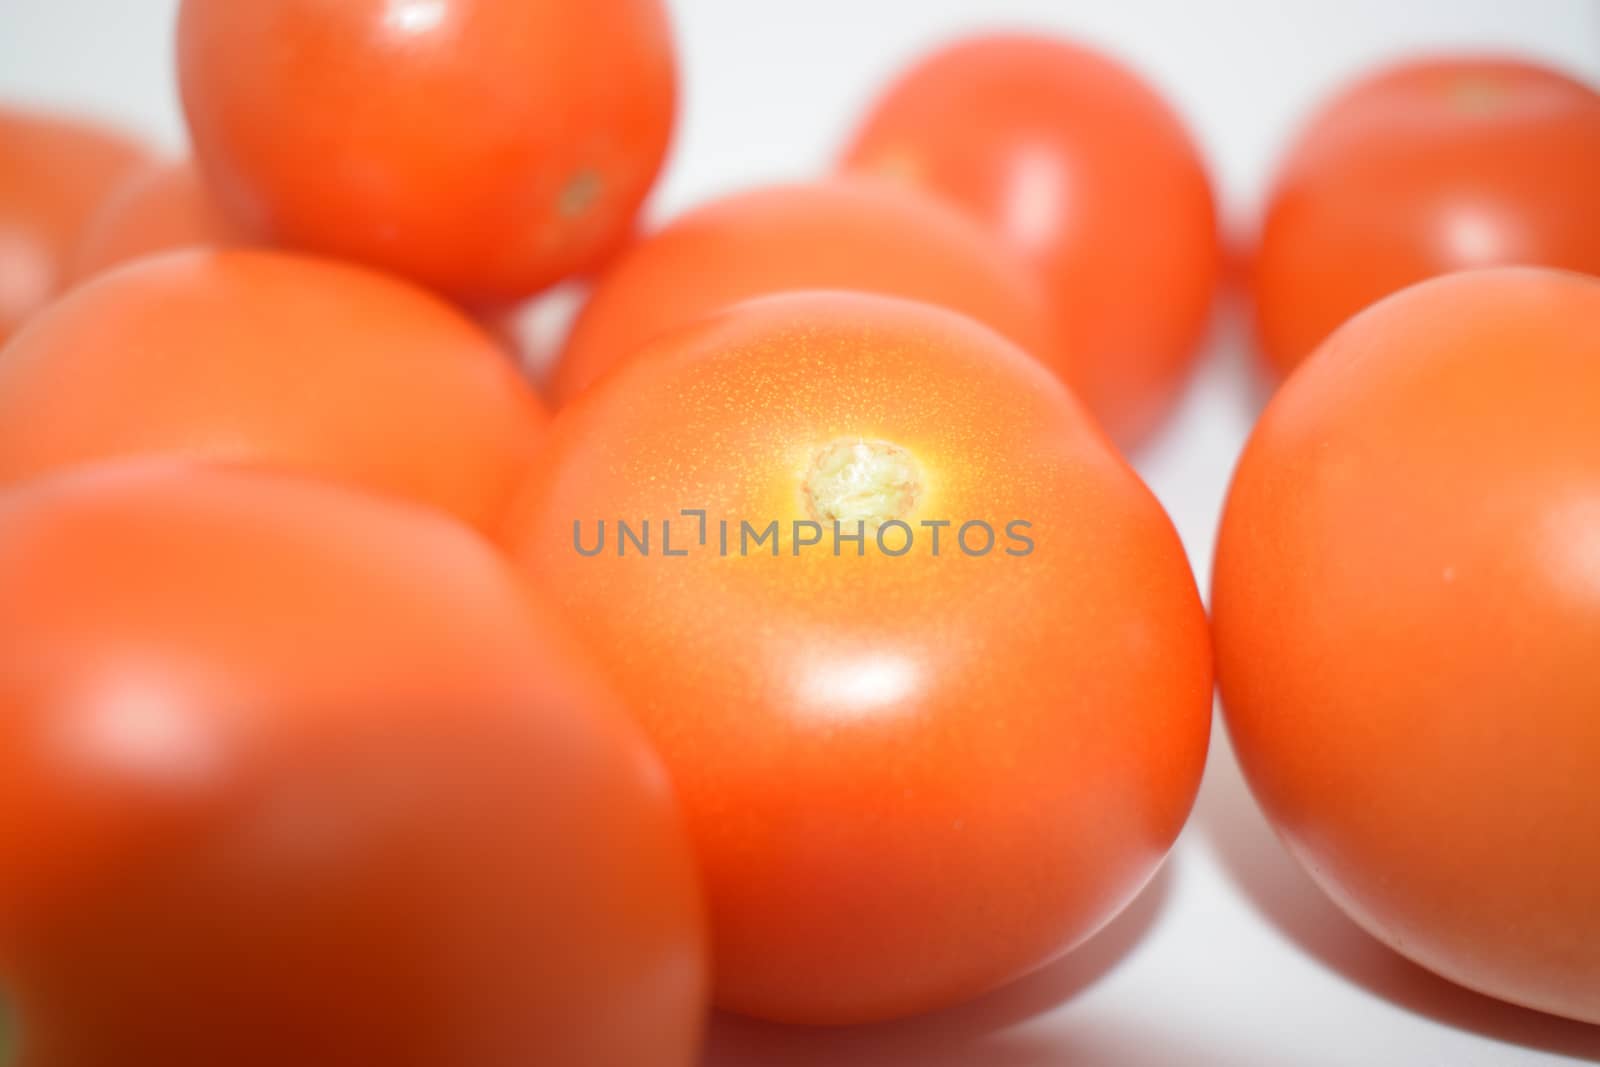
x: 163, y: 207
x: 54, y: 173
x: 273, y: 358
x: 293, y: 775
x: 485, y: 147
x: 1083, y: 168
x: 911, y: 775
x: 1407, y: 602
x: 1428, y: 167
x: 855, y: 235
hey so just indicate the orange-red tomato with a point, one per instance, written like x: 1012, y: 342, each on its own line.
x: 1407, y: 600
x: 853, y: 235
x: 1428, y: 167
x: 910, y: 776
x: 485, y: 147
x: 164, y: 207
x: 54, y: 173
x: 271, y: 358
x: 1078, y: 164
x: 291, y: 775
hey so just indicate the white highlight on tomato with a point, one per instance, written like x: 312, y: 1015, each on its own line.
x: 414, y: 16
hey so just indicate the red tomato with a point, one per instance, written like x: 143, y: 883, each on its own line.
x: 1080, y: 166
x: 1407, y: 600
x: 1428, y: 167
x: 910, y: 777
x: 856, y: 235
x: 162, y: 208
x: 277, y: 359
x: 289, y: 775
x: 485, y: 147
x: 54, y: 173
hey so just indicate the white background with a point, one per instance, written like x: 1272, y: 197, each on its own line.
x: 1231, y: 957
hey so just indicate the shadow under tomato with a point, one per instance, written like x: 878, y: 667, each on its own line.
x: 1262, y: 869
x: 976, y: 1034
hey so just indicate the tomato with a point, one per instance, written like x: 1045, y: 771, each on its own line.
x: 485, y: 147
x: 854, y: 235
x: 164, y: 207
x: 293, y: 775
x: 54, y: 172
x: 1427, y: 167
x: 1407, y: 608
x: 1081, y: 167
x: 277, y: 359
x: 914, y: 773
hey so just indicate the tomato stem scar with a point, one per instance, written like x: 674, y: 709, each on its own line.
x: 1477, y: 94
x: 855, y: 480
x: 579, y: 194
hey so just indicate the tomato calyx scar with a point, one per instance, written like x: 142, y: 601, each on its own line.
x: 1477, y: 94
x: 579, y: 194
x: 855, y: 480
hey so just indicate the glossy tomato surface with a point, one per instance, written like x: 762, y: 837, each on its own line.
x: 271, y: 358
x: 293, y: 775
x: 1427, y: 167
x: 161, y: 208
x: 1407, y: 610
x: 848, y: 235
x: 913, y: 770
x: 54, y: 173
x: 1082, y: 167
x: 485, y: 147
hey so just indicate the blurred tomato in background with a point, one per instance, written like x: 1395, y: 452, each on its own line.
x: 276, y: 359
x: 1426, y: 167
x: 163, y: 207
x: 54, y: 174
x: 487, y: 148
x: 1081, y: 167
x: 856, y: 235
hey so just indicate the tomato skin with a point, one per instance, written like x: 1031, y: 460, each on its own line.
x: 304, y: 756
x: 279, y: 359
x: 488, y: 148
x: 1427, y: 167
x: 162, y: 208
x: 1079, y: 165
x: 54, y: 172
x: 909, y: 779
x: 845, y: 235
x: 1406, y: 614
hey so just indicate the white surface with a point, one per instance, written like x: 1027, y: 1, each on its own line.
x: 1231, y: 958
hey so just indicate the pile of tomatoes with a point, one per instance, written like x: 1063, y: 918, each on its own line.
x: 808, y: 647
